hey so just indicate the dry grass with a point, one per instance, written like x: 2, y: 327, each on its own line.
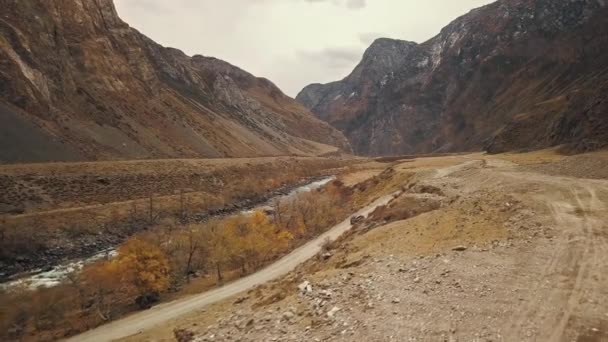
x: 70, y: 205
x: 357, y: 175
x: 403, y: 208
x: 432, y: 163
x: 430, y: 233
x: 382, y: 184
x: 43, y: 187
x: 532, y: 158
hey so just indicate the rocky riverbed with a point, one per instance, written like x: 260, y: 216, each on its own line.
x: 51, y: 267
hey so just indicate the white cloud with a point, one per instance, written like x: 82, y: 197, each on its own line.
x: 351, y: 4
x: 332, y: 58
x: 295, y: 42
x: 356, y: 4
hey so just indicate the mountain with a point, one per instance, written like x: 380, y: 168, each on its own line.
x: 512, y: 75
x: 77, y: 83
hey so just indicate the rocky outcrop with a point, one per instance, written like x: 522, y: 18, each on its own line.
x: 82, y: 84
x: 515, y: 74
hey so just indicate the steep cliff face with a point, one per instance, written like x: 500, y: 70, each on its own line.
x: 516, y: 74
x: 82, y: 84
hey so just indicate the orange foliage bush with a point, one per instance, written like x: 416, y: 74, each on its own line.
x: 149, y: 264
x: 144, y: 267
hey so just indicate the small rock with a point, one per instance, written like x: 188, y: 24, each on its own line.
x: 459, y: 248
x: 245, y: 323
x: 288, y: 315
x: 396, y: 301
x: 326, y: 294
x: 241, y: 300
x: 305, y: 287
x: 331, y: 313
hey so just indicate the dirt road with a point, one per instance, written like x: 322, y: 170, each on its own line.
x: 161, y: 313
x: 568, y: 295
x: 564, y: 295
x: 512, y: 254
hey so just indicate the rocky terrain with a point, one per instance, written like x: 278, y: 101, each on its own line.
x: 489, y: 251
x: 77, y: 83
x: 513, y: 75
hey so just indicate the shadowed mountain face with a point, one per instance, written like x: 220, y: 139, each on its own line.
x: 516, y: 74
x: 76, y: 82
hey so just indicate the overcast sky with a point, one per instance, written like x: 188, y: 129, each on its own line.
x: 291, y: 42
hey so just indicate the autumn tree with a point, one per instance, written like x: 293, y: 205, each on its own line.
x: 254, y: 238
x: 50, y: 307
x: 237, y: 232
x: 102, y: 284
x: 145, y: 267
x: 15, y: 315
x: 220, y: 245
x: 265, y: 238
x: 311, y: 213
x: 191, y: 250
x: 284, y: 217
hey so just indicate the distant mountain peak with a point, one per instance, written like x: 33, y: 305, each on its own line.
x: 510, y: 75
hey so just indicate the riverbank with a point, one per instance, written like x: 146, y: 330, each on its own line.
x: 75, y: 210
x: 199, y: 256
x: 56, y: 270
x: 158, y: 315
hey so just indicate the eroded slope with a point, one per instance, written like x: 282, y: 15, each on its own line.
x: 86, y: 83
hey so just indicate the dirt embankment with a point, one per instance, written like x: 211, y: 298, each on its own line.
x: 477, y: 248
x: 590, y: 166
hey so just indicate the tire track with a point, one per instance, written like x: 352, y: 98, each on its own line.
x: 582, y: 275
x: 575, y: 257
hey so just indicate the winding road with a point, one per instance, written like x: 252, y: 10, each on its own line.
x: 144, y: 320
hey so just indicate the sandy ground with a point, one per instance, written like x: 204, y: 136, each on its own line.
x: 514, y: 252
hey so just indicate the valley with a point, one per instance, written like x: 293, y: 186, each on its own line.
x: 56, y: 274
x: 57, y: 212
x: 475, y: 247
x: 452, y: 188
x: 111, y: 266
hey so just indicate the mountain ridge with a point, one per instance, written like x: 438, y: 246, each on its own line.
x: 94, y: 88
x: 482, y: 82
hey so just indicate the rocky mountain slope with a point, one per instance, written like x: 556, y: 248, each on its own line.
x: 515, y: 74
x: 76, y: 82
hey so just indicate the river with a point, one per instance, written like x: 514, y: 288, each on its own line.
x: 55, y: 275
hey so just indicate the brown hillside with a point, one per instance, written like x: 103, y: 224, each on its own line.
x: 76, y: 82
